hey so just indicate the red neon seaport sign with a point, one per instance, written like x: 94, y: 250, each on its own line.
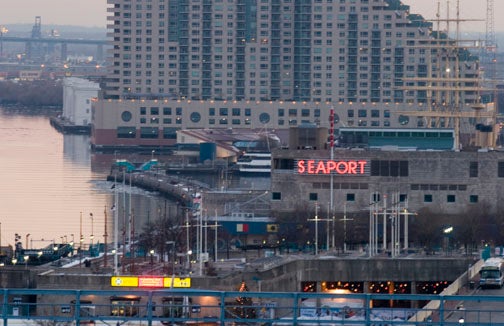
x: 331, y: 167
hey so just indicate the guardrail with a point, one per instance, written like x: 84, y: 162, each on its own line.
x: 198, y: 307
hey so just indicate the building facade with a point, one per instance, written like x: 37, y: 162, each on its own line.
x: 446, y: 182
x: 276, y: 64
x: 77, y: 95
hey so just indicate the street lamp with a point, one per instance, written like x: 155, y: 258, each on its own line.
x: 189, y: 253
x: 151, y: 252
x: 172, y: 243
x: 316, y: 220
x: 3, y: 30
x: 92, y: 228
x: 447, y: 231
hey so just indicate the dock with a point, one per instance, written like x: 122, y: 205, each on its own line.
x: 67, y: 127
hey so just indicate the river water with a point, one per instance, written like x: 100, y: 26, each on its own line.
x: 52, y: 183
x: 54, y: 188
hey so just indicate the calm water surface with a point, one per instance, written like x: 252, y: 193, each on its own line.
x: 47, y: 184
x: 51, y: 184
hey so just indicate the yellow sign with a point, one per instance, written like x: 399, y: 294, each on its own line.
x: 124, y: 281
x: 150, y: 281
x: 177, y: 282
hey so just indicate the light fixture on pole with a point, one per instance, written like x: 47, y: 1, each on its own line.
x: 81, y: 240
x: 92, y: 228
x: 447, y: 231
x: 116, y: 227
x: 331, y: 144
x: 345, y: 219
x: 316, y: 220
x: 3, y: 30
x: 215, y: 226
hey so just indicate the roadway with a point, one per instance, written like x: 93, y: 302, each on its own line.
x: 488, y: 309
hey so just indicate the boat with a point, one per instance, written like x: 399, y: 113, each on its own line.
x: 254, y: 163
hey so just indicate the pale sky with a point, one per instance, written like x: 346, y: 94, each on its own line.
x: 93, y: 13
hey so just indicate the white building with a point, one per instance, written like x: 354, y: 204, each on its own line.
x: 77, y: 95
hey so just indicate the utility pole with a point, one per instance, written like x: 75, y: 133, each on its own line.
x: 345, y: 219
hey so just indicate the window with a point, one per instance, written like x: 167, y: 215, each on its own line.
x: 473, y: 199
x: 389, y: 168
x: 473, y: 169
x: 427, y: 198
x: 126, y: 132
x: 195, y: 117
x: 126, y: 116
x: 276, y: 195
x: 313, y: 196
x: 350, y: 197
x: 450, y: 198
x: 149, y: 132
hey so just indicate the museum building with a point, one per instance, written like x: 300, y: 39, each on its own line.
x: 355, y: 178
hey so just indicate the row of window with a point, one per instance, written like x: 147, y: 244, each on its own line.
x: 364, y: 186
x: 351, y: 197
x: 361, y: 113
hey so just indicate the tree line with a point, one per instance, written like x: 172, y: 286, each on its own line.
x: 40, y: 93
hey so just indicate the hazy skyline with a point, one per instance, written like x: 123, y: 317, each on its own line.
x: 93, y: 13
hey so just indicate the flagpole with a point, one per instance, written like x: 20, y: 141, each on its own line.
x: 331, y: 144
x: 105, y: 239
x: 116, y: 226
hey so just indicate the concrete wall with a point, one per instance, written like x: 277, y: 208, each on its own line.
x: 288, y: 277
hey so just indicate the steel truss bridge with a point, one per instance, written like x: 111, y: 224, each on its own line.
x: 63, y: 42
x: 200, y: 307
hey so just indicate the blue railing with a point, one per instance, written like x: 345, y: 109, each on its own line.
x: 177, y: 307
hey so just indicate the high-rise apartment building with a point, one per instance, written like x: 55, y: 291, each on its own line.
x: 270, y: 64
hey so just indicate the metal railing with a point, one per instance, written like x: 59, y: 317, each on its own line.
x: 199, y: 307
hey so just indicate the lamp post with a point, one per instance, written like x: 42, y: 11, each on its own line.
x: 189, y: 253
x: 92, y: 229
x: 447, y: 231
x: 316, y: 220
x: 81, y: 239
x: 3, y: 30
x: 151, y: 252
x: 172, y: 257
x: 345, y: 219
